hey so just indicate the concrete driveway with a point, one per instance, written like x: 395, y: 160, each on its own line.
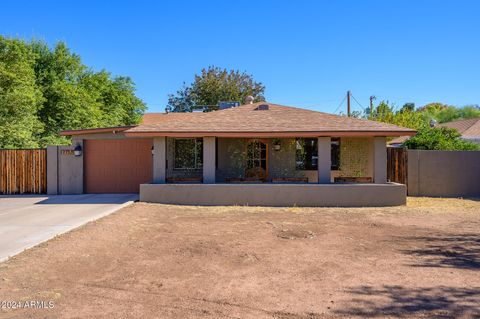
x: 26, y: 221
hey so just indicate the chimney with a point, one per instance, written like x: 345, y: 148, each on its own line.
x: 249, y: 99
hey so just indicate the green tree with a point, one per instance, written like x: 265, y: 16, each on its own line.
x: 77, y: 97
x: 45, y: 90
x: 405, y: 117
x: 439, y: 138
x: 19, y: 97
x: 408, y: 107
x: 214, y: 85
x: 452, y: 113
x: 446, y: 113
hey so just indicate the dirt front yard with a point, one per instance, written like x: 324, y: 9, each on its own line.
x: 162, y: 261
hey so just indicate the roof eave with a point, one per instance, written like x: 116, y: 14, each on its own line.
x: 270, y: 134
x: 96, y: 130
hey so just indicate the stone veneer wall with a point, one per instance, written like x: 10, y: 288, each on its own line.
x: 356, y: 157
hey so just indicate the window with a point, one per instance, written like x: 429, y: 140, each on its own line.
x: 307, y: 154
x: 335, y: 154
x: 188, y: 153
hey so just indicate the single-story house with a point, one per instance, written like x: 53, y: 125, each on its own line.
x: 256, y: 154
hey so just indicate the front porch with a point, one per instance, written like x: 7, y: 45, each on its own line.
x: 321, y: 160
x: 322, y: 171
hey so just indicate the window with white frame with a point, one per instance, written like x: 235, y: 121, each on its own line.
x: 188, y: 153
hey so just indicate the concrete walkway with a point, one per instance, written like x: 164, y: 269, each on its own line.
x: 26, y: 221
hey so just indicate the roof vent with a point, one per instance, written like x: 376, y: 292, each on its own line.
x: 262, y: 107
x: 249, y: 99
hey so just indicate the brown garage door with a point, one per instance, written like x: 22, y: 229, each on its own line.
x: 116, y: 166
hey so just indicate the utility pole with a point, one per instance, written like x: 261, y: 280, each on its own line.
x: 348, y: 103
x: 371, y: 104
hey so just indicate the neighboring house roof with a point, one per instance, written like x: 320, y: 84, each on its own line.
x: 398, y: 140
x: 469, y: 128
x: 261, y: 119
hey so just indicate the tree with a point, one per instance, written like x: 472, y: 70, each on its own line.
x: 77, y: 97
x: 215, y: 85
x: 405, y: 117
x: 19, y: 96
x: 439, y: 138
x: 45, y: 90
x: 408, y: 107
x: 446, y: 113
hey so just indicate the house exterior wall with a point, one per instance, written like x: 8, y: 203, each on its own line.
x: 64, y: 170
x: 230, y: 161
x: 356, y: 159
x: 282, y: 163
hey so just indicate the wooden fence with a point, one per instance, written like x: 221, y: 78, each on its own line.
x: 397, y: 165
x: 23, y: 171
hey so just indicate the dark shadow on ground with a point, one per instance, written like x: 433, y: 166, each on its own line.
x: 400, y: 302
x: 448, y: 251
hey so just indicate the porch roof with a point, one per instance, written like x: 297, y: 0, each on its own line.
x: 262, y: 119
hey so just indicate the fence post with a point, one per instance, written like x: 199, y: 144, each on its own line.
x: 52, y: 170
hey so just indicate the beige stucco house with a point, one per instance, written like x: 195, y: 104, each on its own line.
x: 255, y: 154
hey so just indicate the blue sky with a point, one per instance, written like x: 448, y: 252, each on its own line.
x: 307, y: 53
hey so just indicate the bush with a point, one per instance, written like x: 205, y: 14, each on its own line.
x: 439, y: 138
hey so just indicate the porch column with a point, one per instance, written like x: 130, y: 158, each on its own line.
x: 209, y: 160
x: 380, y: 160
x: 324, y: 160
x: 159, y: 160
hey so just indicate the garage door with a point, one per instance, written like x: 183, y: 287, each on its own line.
x: 116, y: 166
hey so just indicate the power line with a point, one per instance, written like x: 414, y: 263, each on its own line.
x: 358, y: 102
x: 341, y: 103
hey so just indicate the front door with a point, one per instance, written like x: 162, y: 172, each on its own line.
x: 257, y: 160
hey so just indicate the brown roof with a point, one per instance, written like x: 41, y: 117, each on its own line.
x: 398, y: 140
x: 248, y: 120
x: 469, y: 128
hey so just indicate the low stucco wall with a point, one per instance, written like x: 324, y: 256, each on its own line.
x: 444, y: 173
x: 282, y: 195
